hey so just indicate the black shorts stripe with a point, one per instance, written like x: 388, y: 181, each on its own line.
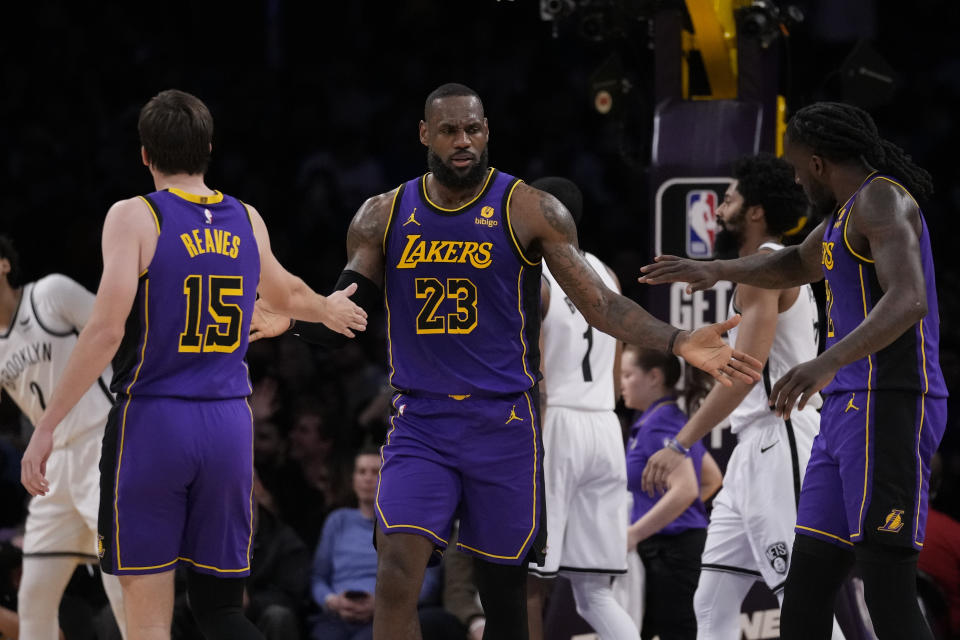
x: 60, y: 554
x: 108, y: 472
x: 791, y: 438
x: 893, y: 467
x: 615, y: 572
x: 794, y: 462
x: 728, y: 569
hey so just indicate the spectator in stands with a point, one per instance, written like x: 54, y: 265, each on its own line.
x: 345, y: 570
x: 940, y: 556
x: 668, y: 530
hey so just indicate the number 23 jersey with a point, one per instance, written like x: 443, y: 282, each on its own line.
x: 462, y: 299
x: 187, y: 333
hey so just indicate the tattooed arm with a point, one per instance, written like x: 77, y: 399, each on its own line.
x: 789, y: 267
x: 545, y: 228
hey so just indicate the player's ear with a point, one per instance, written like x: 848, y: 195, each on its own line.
x: 817, y: 166
x: 423, y: 133
x: 143, y: 156
x: 756, y: 213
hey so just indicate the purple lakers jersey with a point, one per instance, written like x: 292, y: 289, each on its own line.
x: 462, y: 299
x: 187, y: 333
x: 909, y: 363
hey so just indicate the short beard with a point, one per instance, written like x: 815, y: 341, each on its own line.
x: 450, y: 178
x: 727, y: 244
x: 823, y: 203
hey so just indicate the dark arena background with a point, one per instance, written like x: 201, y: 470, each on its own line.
x: 316, y: 107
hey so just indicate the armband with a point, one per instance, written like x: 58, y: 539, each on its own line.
x: 367, y: 297
x: 673, y: 445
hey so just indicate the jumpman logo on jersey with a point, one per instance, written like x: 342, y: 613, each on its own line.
x: 513, y: 415
x: 850, y: 404
x: 412, y: 218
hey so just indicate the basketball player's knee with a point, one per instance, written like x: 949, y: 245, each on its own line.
x: 398, y: 575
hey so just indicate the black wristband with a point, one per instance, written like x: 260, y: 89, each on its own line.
x: 673, y: 340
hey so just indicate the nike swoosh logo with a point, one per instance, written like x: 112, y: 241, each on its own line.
x: 765, y: 449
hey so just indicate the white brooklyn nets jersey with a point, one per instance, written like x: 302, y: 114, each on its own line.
x: 35, y: 348
x: 578, y: 359
x: 795, y: 342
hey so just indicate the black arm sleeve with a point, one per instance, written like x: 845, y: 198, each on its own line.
x: 368, y: 297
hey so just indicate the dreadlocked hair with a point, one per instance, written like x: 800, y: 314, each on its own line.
x: 843, y: 132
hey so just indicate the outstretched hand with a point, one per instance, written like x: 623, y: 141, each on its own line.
x: 705, y: 349
x: 700, y: 274
x: 342, y: 314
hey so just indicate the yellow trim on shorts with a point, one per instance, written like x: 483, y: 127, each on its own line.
x: 533, y: 526
x: 246, y: 402
x: 383, y: 518
x: 156, y: 566
x: 156, y: 218
x: 212, y: 568
x: 866, y: 453
x: 824, y: 533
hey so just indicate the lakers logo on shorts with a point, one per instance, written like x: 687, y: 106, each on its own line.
x: 100, y: 550
x: 893, y: 522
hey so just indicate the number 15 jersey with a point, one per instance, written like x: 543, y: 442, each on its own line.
x: 462, y: 299
x: 187, y: 333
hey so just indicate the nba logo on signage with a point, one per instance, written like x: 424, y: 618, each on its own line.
x: 701, y: 223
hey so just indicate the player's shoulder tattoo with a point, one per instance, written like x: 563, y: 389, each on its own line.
x: 370, y: 222
x: 547, y: 207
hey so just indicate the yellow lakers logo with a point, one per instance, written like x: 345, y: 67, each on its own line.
x: 893, y: 522
x: 513, y: 415
x: 412, y: 218
x: 449, y: 251
x: 486, y: 212
x: 850, y: 404
x: 100, y: 550
x: 827, y: 258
